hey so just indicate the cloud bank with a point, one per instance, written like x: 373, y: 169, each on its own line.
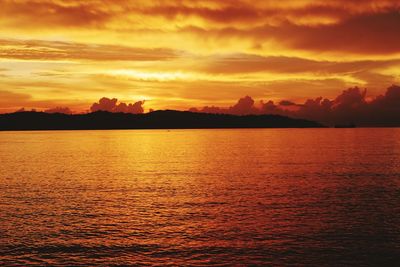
x: 351, y: 106
x: 110, y: 105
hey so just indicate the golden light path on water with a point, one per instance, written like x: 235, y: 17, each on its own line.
x: 318, y: 197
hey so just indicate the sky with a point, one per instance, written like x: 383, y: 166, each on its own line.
x: 187, y: 54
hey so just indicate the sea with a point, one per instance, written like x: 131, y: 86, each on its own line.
x: 205, y: 197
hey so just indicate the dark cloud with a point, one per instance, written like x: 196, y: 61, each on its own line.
x: 351, y: 106
x: 54, y: 13
x: 362, y: 33
x: 246, y: 13
x: 73, y: 13
x: 247, y: 63
x: 110, y: 105
x: 244, y: 106
x: 287, y: 103
x: 366, y: 33
x: 349, y: 26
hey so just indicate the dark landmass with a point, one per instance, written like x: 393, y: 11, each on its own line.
x: 167, y: 119
x: 350, y: 125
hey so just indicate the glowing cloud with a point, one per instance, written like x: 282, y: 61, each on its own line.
x: 57, y: 53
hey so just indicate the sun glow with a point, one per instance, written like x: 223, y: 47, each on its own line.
x: 151, y: 76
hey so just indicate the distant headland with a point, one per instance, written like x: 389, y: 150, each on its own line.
x: 163, y: 119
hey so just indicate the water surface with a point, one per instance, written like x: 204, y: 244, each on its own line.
x: 259, y: 197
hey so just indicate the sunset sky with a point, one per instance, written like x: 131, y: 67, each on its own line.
x: 193, y: 53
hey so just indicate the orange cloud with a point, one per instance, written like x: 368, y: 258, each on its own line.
x: 191, y: 53
x: 56, y: 50
x: 225, y: 14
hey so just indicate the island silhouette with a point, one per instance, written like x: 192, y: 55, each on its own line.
x: 161, y: 119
